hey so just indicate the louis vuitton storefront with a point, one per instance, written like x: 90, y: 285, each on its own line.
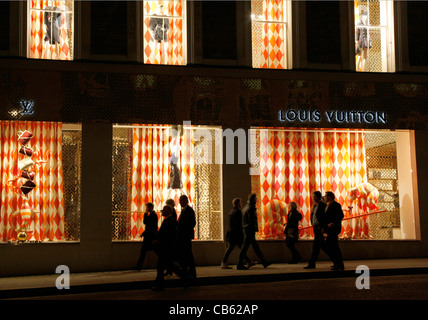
x: 113, y: 135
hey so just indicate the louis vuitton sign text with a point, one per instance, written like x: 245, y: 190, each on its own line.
x: 333, y: 116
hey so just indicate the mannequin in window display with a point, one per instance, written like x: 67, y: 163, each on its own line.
x: 362, y: 41
x: 52, y: 22
x: 159, y: 30
x: 175, y: 172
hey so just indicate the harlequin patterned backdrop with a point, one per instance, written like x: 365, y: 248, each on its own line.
x: 142, y: 173
x: 47, y: 199
x: 268, y: 34
x: 293, y: 164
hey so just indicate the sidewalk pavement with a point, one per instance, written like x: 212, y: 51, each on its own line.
x: 40, y: 285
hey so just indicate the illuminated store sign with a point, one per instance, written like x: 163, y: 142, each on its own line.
x: 26, y: 109
x: 337, y: 116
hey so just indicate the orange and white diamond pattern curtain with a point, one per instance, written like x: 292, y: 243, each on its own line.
x: 269, y: 34
x: 294, y: 164
x: 284, y: 176
x: 50, y: 30
x: 273, y: 34
x: 46, y: 200
x: 343, y: 166
x: 152, y: 151
x: 163, y: 32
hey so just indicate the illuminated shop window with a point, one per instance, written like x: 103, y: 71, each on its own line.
x: 270, y: 33
x: 157, y: 163
x: 50, y: 30
x: 40, y: 181
x: 164, y: 31
x: 370, y: 172
x: 374, y: 36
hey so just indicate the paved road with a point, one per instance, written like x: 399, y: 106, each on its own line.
x: 405, y: 287
x: 387, y: 297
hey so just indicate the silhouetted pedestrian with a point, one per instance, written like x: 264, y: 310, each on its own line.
x: 171, y: 202
x: 250, y: 227
x: 332, y: 226
x: 317, y: 216
x: 291, y: 231
x: 165, y: 246
x: 186, y: 233
x: 235, y: 235
x: 151, y: 221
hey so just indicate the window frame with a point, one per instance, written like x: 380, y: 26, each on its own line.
x: 71, y: 214
x: 28, y: 33
x: 389, y: 27
x: 405, y: 174
x: 119, y: 216
x: 141, y: 42
x: 287, y: 22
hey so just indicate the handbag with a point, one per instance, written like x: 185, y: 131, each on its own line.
x: 25, y: 163
x: 24, y: 137
x: 28, y: 186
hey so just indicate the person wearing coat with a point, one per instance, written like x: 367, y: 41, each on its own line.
x: 235, y: 234
x: 151, y: 227
x: 250, y: 227
x: 332, y: 226
x: 317, y: 216
x: 291, y: 231
x: 185, y: 235
x: 165, y: 247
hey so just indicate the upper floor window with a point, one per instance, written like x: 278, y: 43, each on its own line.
x: 164, y: 32
x: 271, y: 34
x: 374, y: 36
x: 50, y: 30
